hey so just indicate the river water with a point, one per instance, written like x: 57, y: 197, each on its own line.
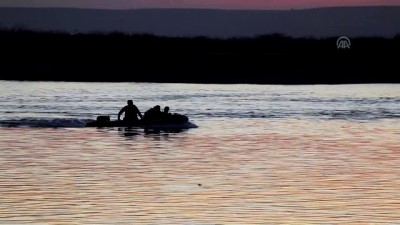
x: 262, y: 154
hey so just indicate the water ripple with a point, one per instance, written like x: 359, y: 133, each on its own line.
x: 285, y: 172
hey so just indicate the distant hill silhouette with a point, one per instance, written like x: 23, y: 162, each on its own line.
x: 320, y: 22
x: 268, y: 59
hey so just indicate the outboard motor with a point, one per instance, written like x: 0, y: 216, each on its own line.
x: 103, y: 119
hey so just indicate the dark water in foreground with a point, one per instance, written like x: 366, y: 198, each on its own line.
x: 261, y: 155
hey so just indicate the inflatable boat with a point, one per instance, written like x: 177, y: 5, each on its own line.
x: 175, y: 121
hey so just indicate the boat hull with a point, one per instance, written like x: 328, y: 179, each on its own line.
x: 140, y: 124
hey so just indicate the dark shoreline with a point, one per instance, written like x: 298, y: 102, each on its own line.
x: 269, y: 59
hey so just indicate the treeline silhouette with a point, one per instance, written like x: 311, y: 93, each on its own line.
x: 265, y: 59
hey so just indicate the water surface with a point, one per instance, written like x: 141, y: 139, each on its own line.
x: 261, y: 155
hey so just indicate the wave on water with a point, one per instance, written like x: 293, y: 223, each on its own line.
x: 358, y: 115
x: 42, y: 122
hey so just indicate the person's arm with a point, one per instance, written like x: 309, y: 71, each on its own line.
x: 140, y: 114
x: 120, y: 113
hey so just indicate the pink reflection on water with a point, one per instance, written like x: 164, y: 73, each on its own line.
x: 249, y: 171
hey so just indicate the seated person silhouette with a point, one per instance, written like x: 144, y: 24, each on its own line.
x: 153, y: 114
x: 166, y: 115
x: 166, y: 110
x: 131, y: 112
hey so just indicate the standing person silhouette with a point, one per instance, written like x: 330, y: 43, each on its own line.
x: 131, y: 112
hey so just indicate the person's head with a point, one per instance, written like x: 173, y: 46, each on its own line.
x: 130, y: 102
x: 157, y: 107
x: 166, y: 109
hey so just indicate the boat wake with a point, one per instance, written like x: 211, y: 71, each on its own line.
x: 49, y: 123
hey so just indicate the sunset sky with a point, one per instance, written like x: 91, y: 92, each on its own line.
x: 221, y: 4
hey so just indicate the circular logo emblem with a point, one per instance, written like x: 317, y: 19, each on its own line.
x: 343, y: 43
